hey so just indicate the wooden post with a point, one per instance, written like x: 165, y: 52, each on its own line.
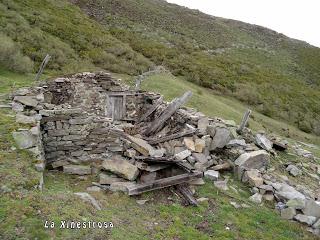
x: 42, y: 66
x: 167, y: 113
x: 244, y: 121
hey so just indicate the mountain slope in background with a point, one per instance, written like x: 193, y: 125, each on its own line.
x: 278, y: 76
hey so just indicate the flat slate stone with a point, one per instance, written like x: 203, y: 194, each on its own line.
x: 122, y: 168
x: 24, y: 139
x: 77, y: 169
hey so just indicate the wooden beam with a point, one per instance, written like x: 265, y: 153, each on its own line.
x: 244, y: 121
x: 151, y: 110
x: 167, y: 113
x: 162, y: 183
x: 42, y: 66
x: 172, y: 136
x: 186, y: 193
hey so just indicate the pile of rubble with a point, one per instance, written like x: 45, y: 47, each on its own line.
x: 135, y: 142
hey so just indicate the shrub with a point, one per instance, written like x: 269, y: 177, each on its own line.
x: 11, y: 57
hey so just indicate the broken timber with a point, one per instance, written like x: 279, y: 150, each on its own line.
x: 151, y: 110
x: 187, y: 194
x: 172, y: 136
x: 162, y: 183
x: 244, y: 121
x: 42, y: 66
x: 167, y: 113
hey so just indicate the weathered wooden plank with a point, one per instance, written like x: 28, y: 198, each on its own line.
x: 172, y: 136
x: 151, y: 110
x: 167, y: 113
x: 244, y: 121
x: 42, y: 66
x: 187, y: 194
x: 157, y: 159
x: 162, y: 183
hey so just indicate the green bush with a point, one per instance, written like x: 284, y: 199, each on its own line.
x: 11, y: 57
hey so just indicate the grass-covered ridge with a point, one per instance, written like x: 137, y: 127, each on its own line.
x: 60, y: 29
x: 277, y: 75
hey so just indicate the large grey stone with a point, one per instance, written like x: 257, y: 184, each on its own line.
x: 202, y: 125
x: 121, y: 186
x: 253, y: 177
x: 316, y: 225
x: 309, y: 220
x: 288, y: 213
x: 293, y: 170
x: 234, y: 143
x: 212, y: 175
x: 27, y: 100
x: 77, y: 169
x: 221, y: 138
x: 253, y: 160
x: 17, y: 107
x: 88, y: 198
x: 287, y: 192
x: 24, y: 139
x: 312, y: 208
x: 122, y: 168
x: 263, y: 142
x: 141, y: 146
x: 256, y: 198
x: 296, y: 203
x: 108, y: 179
x: 20, y: 118
x: 199, y: 157
x: 222, y: 185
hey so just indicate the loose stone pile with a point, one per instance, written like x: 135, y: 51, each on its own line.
x: 90, y: 123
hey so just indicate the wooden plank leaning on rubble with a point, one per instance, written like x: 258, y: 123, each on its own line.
x: 167, y: 113
x: 162, y: 183
x: 244, y: 121
x: 172, y: 136
x: 151, y: 110
x: 186, y: 193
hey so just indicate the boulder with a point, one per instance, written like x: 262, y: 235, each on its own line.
x: 199, y: 157
x: 189, y: 143
x: 222, y: 185
x: 183, y: 155
x: 212, y: 175
x: 200, y: 145
x: 77, y: 169
x: 263, y: 142
x: 122, y: 168
x: 252, y: 160
x: 26, y: 100
x: 309, y: 220
x: 293, y: 170
x: 256, y: 198
x: 141, y: 146
x: 287, y: 192
x: 221, y: 138
x: 268, y: 197
x: 20, y: 118
x: 121, y: 186
x: 288, y: 213
x: 88, y: 198
x: 253, y: 177
x: 24, y: 139
x: 316, y: 225
x: 108, y: 179
x: 312, y: 208
x: 296, y: 203
x: 17, y: 107
x: 202, y: 125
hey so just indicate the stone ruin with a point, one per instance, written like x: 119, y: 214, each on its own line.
x: 133, y: 141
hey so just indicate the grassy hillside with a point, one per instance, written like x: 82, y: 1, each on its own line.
x: 277, y: 75
x: 31, y: 29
